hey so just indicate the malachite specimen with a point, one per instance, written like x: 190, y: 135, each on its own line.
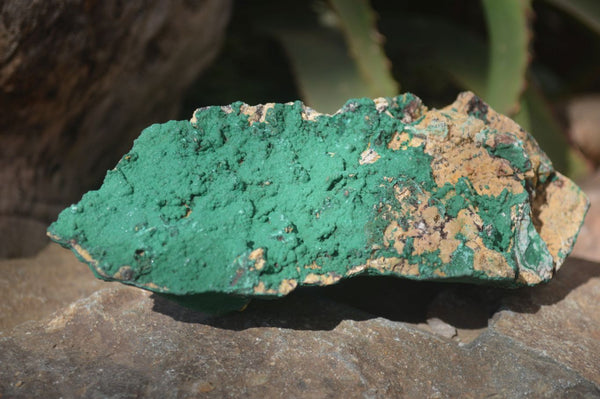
x: 253, y: 201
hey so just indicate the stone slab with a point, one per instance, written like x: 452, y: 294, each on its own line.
x: 123, y: 342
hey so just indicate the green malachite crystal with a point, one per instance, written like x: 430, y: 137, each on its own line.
x: 253, y: 201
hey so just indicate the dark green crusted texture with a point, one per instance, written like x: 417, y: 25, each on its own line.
x: 246, y: 201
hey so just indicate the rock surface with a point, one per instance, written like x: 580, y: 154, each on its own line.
x: 77, y: 77
x: 587, y: 246
x: 251, y: 201
x: 584, y: 125
x: 122, y: 342
x: 32, y: 288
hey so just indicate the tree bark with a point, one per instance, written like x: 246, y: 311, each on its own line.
x: 79, y: 79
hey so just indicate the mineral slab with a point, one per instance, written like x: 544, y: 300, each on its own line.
x: 254, y: 201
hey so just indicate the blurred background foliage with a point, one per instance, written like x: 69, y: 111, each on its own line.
x: 526, y: 58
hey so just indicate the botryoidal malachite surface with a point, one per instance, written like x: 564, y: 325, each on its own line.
x: 251, y: 201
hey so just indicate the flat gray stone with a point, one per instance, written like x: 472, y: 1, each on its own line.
x: 33, y: 288
x: 123, y: 342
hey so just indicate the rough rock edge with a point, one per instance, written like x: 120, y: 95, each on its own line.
x: 557, y: 230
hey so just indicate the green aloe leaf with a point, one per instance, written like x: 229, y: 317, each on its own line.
x: 441, y: 47
x: 509, y: 35
x: 536, y: 116
x: 357, y: 22
x: 587, y: 11
x: 333, y: 64
x: 325, y: 73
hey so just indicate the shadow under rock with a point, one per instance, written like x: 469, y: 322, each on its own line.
x: 574, y: 273
x: 359, y: 298
x: 471, y: 307
x: 464, y: 306
x: 303, y: 309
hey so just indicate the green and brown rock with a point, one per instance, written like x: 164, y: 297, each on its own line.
x: 252, y: 201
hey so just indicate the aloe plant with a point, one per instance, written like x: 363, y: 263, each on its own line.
x: 509, y: 35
